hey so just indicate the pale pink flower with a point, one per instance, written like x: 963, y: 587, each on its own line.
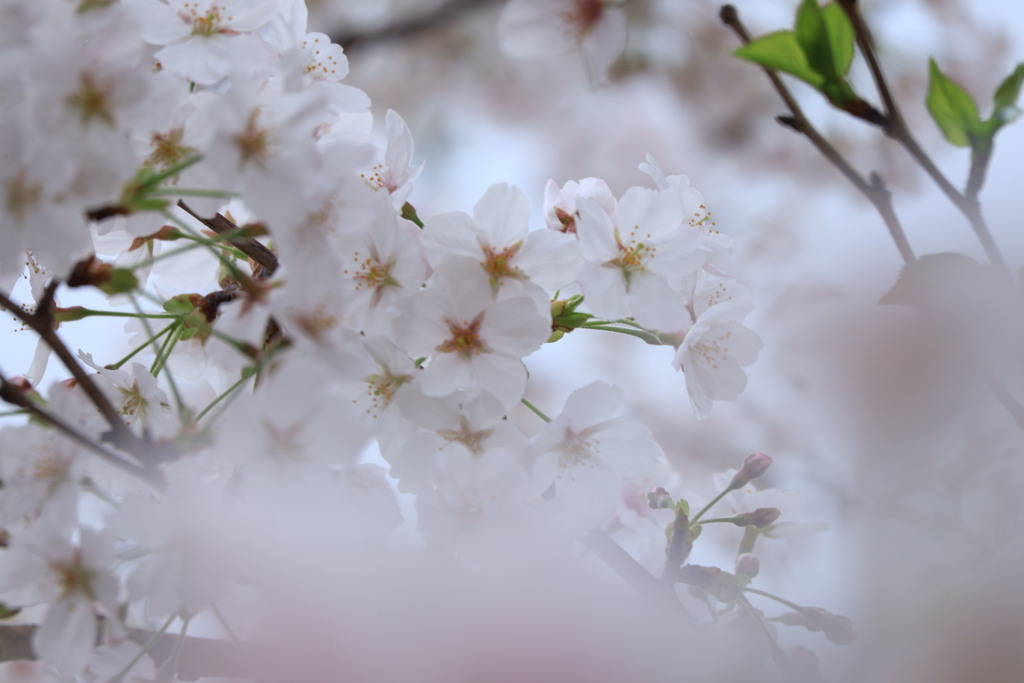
x: 588, y: 449
x: 517, y: 262
x: 459, y: 423
x: 396, y: 173
x: 638, y: 260
x: 43, y: 566
x: 713, y: 353
x: 206, y: 40
x: 473, y: 342
x: 41, y: 471
x: 552, y: 28
x: 560, y: 210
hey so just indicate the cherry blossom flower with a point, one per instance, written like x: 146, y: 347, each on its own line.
x: 381, y: 263
x: 748, y: 498
x: 396, y: 173
x: 638, y: 260
x: 41, y: 472
x: 433, y: 427
x: 588, y: 449
x: 263, y: 145
x: 137, y: 396
x: 473, y: 343
x: 184, y: 542
x: 713, y: 353
x: 205, y: 40
x: 498, y: 238
x: 552, y: 28
x: 560, y: 202
x: 42, y: 566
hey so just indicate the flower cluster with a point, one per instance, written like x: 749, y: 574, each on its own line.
x: 146, y: 145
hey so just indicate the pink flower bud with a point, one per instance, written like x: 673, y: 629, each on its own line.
x: 759, y: 518
x: 748, y: 564
x: 754, y: 466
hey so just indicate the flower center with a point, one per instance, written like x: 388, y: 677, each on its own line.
x: 497, y: 264
x: 584, y: 15
x: 253, y: 142
x: 370, y: 272
x: 381, y: 390
x: 465, y: 338
x: 473, y: 441
x: 633, y: 255
x: 206, y: 23
x: 577, y: 449
x: 22, y: 196
x: 167, y: 149
x: 92, y: 101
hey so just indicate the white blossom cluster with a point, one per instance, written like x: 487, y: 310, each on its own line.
x: 374, y: 334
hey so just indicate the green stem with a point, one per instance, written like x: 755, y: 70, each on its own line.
x: 167, y: 254
x: 536, y: 411
x: 227, y: 392
x: 11, y: 413
x: 165, y: 352
x: 171, y: 665
x: 772, y: 596
x: 138, y: 349
x: 177, y: 327
x: 779, y: 654
x: 643, y: 335
x: 175, y: 192
x: 172, y: 171
x: 223, y: 622
x: 147, y: 646
x: 716, y: 520
x: 707, y: 507
x: 91, y: 313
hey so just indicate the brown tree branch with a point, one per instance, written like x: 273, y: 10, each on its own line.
x: 404, y: 28
x: 14, y: 395
x: 896, y: 127
x: 233, y: 234
x: 875, y: 191
x: 41, y: 322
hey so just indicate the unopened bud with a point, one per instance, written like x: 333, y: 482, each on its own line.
x: 759, y: 518
x: 754, y: 466
x: 659, y: 499
x: 66, y: 315
x: 567, y: 220
x: 748, y: 564
x: 836, y: 627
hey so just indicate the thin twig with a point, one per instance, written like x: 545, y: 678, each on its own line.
x: 896, y: 127
x: 41, y: 322
x: 232, y: 233
x: 623, y: 564
x: 875, y: 191
x: 12, y: 394
x: 404, y: 28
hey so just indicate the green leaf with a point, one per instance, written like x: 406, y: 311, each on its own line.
x: 1005, y: 107
x: 838, y: 92
x: 180, y: 304
x: 812, y: 36
x: 120, y: 281
x: 840, y: 36
x: 781, y: 51
x: 1008, y: 91
x: 954, y: 111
